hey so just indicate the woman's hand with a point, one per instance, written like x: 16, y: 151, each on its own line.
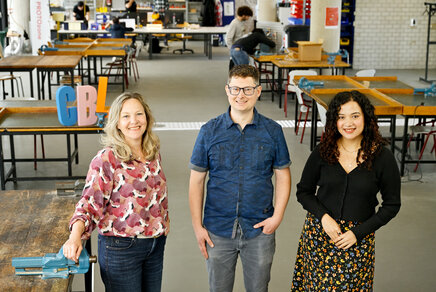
x: 346, y: 240
x: 73, y: 246
x: 330, y: 227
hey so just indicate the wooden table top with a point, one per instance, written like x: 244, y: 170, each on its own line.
x: 19, y: 62
x: 413, y: 104
x: 383, y: 104
x: 295, y: 63
x: 36, y: 118
x: 332, y: 81
x: 69, y: 61
x: 33, y: 223
x: 268, y: 58
x: 384, y: 89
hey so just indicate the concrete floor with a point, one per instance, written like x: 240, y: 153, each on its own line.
x: 190, y: 88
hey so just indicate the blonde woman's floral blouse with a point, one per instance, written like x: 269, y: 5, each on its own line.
x: 123, y: 199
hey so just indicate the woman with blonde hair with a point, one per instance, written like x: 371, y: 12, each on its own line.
x: 125, y: 197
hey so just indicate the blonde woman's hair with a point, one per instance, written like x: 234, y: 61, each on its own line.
x: 114, y: 138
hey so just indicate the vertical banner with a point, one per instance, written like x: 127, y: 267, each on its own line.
x: 331, y: 17
x: 39, y: 24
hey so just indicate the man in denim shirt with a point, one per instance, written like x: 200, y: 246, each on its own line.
x: 241, y: 150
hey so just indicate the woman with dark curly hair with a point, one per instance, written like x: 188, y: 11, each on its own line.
x: 338, y: 188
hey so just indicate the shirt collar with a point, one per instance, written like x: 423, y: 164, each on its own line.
x: 229, y: 122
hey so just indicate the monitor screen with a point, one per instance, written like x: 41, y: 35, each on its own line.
x: 129, y: 22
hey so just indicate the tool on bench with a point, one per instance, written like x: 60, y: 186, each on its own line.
x: 53, y: 265
x: 307, y: 85
x: 332, y: 56
x: 430, y: 91
x: 70, y: 188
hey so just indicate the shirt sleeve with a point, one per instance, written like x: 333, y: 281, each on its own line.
x: 199, y: 159
x: 282, y: 154
x: 230, y: 35
x: 390, y: 190
x: 306, y: 188
x: 96, y: 193
x: 265, y: 40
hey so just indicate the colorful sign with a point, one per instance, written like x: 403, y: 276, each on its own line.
x: 89, y: 103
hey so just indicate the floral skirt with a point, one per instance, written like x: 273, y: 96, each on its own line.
x: 321, y: 266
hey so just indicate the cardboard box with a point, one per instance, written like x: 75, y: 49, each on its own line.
x: 309, y: 51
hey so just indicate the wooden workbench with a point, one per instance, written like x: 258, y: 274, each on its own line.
x: 33, y: 223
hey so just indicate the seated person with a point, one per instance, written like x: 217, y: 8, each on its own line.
x: 245, y: 46
x: 116, y: 29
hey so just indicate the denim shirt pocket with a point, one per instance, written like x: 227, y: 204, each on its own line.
x: 120, y: 243
x: 221, y: 156
x: 262, y: 156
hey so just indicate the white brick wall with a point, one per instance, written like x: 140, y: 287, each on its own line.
x: 383, y: 38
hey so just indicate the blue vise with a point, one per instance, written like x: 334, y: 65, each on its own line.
x: 307, y: 85
x: 430, y: 91
x: 332, y: 56
x: 44, y: 48
x: 52, y: 265
x: 100, y: 119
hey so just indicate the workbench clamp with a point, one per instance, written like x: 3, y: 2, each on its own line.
x: 332, y: 56
x: 307, y: 85
x: 52, y: 265
x: 429, y: 91
x: 100, y: 119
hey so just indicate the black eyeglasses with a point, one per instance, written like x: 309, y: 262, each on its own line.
x: 248, y: 91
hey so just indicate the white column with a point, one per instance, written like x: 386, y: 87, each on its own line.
x: 267, y: 10
x: 19, y: 16
x: 325, y: 23
x: 39, y: 24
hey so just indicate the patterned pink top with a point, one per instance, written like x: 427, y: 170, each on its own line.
x: 123, y: 199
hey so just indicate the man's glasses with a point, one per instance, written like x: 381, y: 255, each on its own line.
x: 248, y: 91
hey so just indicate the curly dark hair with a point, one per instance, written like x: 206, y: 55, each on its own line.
x: 244, y: 11
x: 372, y: 141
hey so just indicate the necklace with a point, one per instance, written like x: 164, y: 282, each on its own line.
x: 354, y: 151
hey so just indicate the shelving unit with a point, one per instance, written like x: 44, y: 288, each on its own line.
x: 178, y: 7
x: 194, y: 10
x: 430, y: 10
x: 347, y: 27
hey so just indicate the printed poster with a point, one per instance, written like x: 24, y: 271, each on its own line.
x: 228, y: 8
x: 331, y: 17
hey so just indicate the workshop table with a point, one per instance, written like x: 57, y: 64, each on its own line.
x: 329, y: 82
x: 286, y: 64
x: 33, y: 223
x: 14, y: 64
x: 262, y: 62
x: 58, y: 64
x: 384, y: 106
x: 31, y: 118
x: 207, y: 33
x: 414, y: 106
x: 93, y: 50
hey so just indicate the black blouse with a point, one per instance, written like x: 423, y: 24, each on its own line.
x: 352, y: 196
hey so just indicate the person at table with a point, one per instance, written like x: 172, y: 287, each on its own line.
x: 241, y: 26
x: 81, y: 11
x: 116, y: 29
x: 338, y: 188
x: 131, y: 6
x: 125, y: 198
x: 245, y: 46
x: 241, y: 150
